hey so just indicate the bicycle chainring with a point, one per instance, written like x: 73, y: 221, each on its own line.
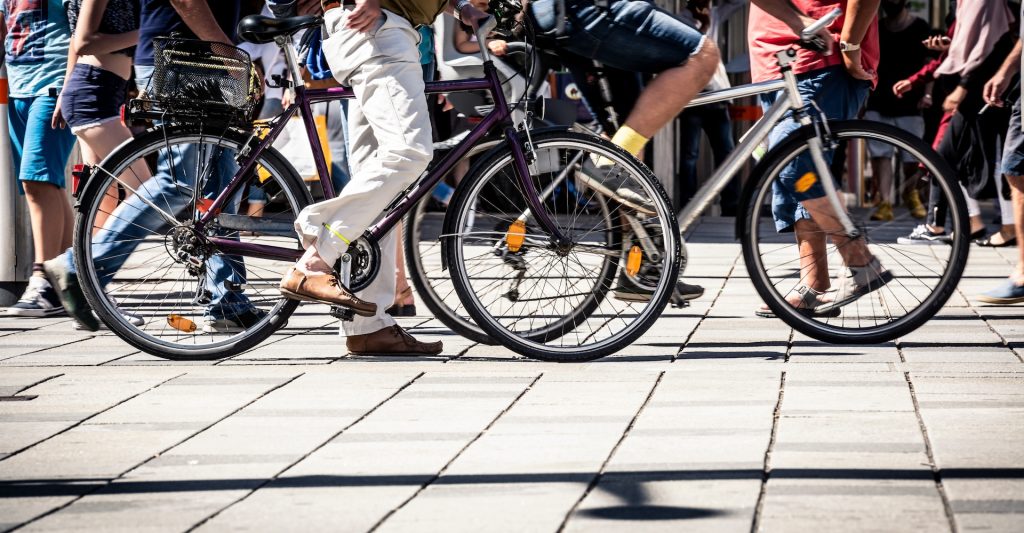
x: 365, y: 264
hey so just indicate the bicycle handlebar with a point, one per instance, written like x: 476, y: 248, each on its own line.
x: 810, y: 31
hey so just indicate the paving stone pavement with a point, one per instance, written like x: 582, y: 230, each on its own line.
x: 715, y: 420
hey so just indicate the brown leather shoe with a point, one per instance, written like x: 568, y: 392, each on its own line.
x: 323, y: 289
x: 391, y: 341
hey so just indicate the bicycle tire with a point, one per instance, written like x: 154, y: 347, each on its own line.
x: 121, y: 158
x: 756, y: 192
x: 532, y: 344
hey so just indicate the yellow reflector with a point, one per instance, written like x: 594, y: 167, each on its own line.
x: 633, y: 261
x: 181, y: 323
x: 516, y: 235
x: 805, y: 182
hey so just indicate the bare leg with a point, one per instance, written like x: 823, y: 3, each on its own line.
x: 1017, y: 195
x: 51, y: 219
x: 401, y: 282
x: 882, y: 169
x: 668, y: 94
x: 854, y: 252
x: 811, y: 243
x: 97, y: 143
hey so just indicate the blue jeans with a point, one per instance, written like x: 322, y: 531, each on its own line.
x: 633, y: 35
x: 713, y: 120
x: 840, y: 97
x: 133, y: 220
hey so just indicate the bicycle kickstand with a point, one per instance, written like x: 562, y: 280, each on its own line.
x: 344, y: 313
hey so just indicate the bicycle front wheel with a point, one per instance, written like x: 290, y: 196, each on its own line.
x: 550, y: 300
x: 154, y: 277
x: 899, y: 280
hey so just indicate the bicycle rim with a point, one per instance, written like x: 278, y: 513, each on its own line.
x: 914, y: 280
x: 550, y: 301
x: 186, y: 314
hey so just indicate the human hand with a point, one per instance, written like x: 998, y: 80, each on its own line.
x: 823, y: 41
x: 57, y: 121
x: 994, y: 89
x: 953, y: 101
x: 471, y: 15
x: 851, y: 59
x: 364, y: 16
x: 901, y: 87
x: 498, y: 47
x: 938, y: 43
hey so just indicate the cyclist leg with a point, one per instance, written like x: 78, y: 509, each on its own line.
x: 391, y: 145
x: 636, y: 35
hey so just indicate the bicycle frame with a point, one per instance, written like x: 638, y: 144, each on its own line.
x: 789, y: 101
x: 305, y: 98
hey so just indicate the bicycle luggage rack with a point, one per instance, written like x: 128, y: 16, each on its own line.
x: 197, y: 82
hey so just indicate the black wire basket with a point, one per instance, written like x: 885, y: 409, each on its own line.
x: 199, y: 81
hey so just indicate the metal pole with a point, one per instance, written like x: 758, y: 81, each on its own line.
x: 15, y: 232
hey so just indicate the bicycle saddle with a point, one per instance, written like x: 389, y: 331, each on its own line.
x: 259, y: 29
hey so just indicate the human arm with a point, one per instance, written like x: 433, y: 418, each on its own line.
x: 462, y: 43
x: 860, y: 15
x: 197, y: 16
x: 995, y: 87
x: 87, y: 39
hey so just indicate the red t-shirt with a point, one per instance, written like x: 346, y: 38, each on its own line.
x: 769, y: 35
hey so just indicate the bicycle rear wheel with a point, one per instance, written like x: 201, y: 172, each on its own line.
x: 158, y: 283
x: 911, y: 282
x: 549, y: 300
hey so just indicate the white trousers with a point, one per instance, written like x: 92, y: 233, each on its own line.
x: 391, y: 145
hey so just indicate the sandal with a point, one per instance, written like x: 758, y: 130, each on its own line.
x: 987, y: 241
x: 809, y: 303
x: 400, y: 309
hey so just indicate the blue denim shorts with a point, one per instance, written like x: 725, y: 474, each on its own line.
x: 92, y: 96
x: 631, y: 35
x: 1013, y: 148
x: 840, y: 97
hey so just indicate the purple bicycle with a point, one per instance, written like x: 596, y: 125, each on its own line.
x: 546, y: 224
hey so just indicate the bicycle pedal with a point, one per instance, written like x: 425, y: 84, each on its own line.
x: 679, y: 303
x: 342, y: 313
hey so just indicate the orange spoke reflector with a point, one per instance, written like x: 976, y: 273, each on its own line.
x: 181, y: 323
x: 516, y: 235
x: 633, y: 260
x: 204, y: 205
x: 805, y: 182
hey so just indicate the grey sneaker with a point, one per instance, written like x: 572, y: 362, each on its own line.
x: 70, y: 292
x: 131, y: 318
x: 610, y: 182
x: 629, y: 292
x: 233, y: 324
x: 855, y: 282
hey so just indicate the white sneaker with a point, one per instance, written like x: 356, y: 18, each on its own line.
x: 39, y: 300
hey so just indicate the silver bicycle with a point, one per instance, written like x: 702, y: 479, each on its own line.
x: 895, y: 288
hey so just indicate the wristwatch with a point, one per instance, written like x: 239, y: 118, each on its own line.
x: 848, y: 47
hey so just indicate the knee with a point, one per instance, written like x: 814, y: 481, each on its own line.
x: 1017, y: 182
x: 707, y: 58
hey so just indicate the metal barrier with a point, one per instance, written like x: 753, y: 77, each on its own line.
x: 15, y: 229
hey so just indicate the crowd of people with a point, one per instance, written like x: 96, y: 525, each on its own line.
x: 72, y: 63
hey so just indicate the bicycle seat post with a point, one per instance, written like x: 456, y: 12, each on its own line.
x: 291, y: 58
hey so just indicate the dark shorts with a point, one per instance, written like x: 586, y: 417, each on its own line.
x: 92, y: 96
x: 632, y: 35
x: 1013, y: 149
